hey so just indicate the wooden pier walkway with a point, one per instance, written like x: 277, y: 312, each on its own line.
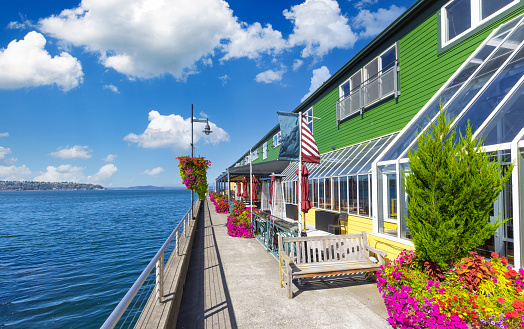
x: 234, y: 283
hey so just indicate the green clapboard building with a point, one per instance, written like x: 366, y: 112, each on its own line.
x: 464, y: 54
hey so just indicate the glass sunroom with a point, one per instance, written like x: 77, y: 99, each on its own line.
x: 488, y: 92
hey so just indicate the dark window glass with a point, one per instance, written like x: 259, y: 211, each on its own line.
x: 491, y: 6
x: 458, y: 14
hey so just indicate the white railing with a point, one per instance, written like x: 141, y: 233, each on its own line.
x: 370, y: 92
x: 158, y: 263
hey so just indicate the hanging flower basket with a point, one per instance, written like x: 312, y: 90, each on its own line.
x: 193, y: 174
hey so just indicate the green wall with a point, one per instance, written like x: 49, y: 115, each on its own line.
x: 422, y: 72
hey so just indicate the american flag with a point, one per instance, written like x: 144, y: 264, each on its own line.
x: 309, y: 146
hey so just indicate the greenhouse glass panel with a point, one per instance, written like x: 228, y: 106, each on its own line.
x: 367, y: 152
x: 336, y: 195
x: 485, y: 73
x: 375, y: 152
x: 321, y: 196
x: 493, y: 95
x: 433, y: 108
x: 363, y: 195
x: 343, y: 194
x: 338, y: 160
x: 352, y: 195
x: 352, y: 161
x: 508, y: 122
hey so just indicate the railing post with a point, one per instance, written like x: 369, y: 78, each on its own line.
x: 176, y: 241
x: 160, y: 279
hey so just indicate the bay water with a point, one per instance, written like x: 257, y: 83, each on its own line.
x: 68, y: 257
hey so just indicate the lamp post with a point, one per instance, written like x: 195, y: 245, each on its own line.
x: 207, y: 131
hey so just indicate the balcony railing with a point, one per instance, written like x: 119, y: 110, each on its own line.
x: 268, y: 228
x: 371, y: 91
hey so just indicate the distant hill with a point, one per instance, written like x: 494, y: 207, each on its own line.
x: 47, y: 186
x: 147, y: 188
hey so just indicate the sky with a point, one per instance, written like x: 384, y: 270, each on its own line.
x: 100, y: 91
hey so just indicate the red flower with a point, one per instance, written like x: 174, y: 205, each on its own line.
x: 494, y: 255
x: 512, y: 314
x: 518, y: 305
x: 504, y: 260
x: 519, y: 289
x: 500, y: 300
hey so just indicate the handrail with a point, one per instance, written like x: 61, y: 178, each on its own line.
x: 157, y: 261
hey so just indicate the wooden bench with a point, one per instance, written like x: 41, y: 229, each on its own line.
x: 316, y: 256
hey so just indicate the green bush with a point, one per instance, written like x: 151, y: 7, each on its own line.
x: 451, y: 188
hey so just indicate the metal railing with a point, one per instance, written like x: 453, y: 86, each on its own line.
x: 371, y: 91
x: 158, y: 263
x: 268, y: 228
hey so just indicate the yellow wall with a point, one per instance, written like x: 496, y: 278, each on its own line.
x: 356, y: 224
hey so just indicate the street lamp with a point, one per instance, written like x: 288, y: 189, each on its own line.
x: 207, y: 131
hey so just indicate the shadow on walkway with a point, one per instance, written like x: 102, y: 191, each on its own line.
x: 206, y: 302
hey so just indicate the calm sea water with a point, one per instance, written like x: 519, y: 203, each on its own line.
x: 68, y: 257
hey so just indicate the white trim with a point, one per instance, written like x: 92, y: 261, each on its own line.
x: 392, y: 238
x: 437, y: 94
x: 475, y: 16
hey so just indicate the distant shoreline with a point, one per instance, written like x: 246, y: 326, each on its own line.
x: 17, y: 186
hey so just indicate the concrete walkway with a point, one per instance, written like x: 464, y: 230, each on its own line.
x: 234, y: 283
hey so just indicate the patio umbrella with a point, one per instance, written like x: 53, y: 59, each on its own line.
x: 271, y: 190
x: 244, y: 187
x: 254, y: 191
x: 304, y: 186
x: 239, y: 188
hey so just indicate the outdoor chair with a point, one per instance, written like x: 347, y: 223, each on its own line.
x: 342, y: 220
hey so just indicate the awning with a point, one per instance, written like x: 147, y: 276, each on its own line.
x: 262, y: 168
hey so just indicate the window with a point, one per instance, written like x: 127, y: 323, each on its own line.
x: 374, y: 82
x: 264, y: 151
x: 276, y: 139
x: 255, y: 154
x: 309, y: 119
x: 462, y: 16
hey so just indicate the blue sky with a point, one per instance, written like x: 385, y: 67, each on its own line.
x: 100, y: 91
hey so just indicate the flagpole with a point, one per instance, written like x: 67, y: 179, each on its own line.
x: 251, y: 182
x: 299, y: 185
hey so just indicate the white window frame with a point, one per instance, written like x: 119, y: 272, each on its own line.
x: 277, y: 138
x: 255, y: 154
x: 264, y: 151
x: 476, y: 19
x: 341, y: 91
x: 309, y: 120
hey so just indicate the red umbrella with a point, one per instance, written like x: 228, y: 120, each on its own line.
x: 244, y: 187
x: 271, y: 190
x: 306, y: 204
x: 239, y: 187
x: 254, y: 190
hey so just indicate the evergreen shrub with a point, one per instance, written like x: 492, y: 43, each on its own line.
x: 451, y: 188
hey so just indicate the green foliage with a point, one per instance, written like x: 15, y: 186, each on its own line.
x: 451, y: 188
x: 193, y: 174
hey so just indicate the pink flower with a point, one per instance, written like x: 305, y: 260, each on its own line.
x: 500, y: 300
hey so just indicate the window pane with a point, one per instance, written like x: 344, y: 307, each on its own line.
x: 491, y: 6
x: 336, y: 203
x: 372, y: 69
x: 352, y: 194
x: 363, y: 195
x: 343, y: 194
x: 329, y: 193
x: 356, y: 80
x: 344, y: 89
x: 321, y: 202
x: 458, y: 14
x: 388, y: 59
x: 391, y: 199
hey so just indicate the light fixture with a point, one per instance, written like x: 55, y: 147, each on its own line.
x: 333, y: 147
x: 207, y: 129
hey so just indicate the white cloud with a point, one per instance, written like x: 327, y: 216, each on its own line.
x: 150, y: 38
x: 297, y: 63
x: 373, y: 23
x: 69, y: 173
x: 203, y: 114
x: 320, y: 27
x: 269, y: 76
x: 110, y: 158
x: 16, y: 26
x: 75, y: 152
x: 319, y: 76
x: 153, y: 172
x: 104, y: 175
x: 113, y: 88
x: 251, y: 41
x: 364, y: 3
x: 224, y: 79
x: 4, y: 134
x: 26, y: 63
x: 14, y: 173
x: 174, y: 131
